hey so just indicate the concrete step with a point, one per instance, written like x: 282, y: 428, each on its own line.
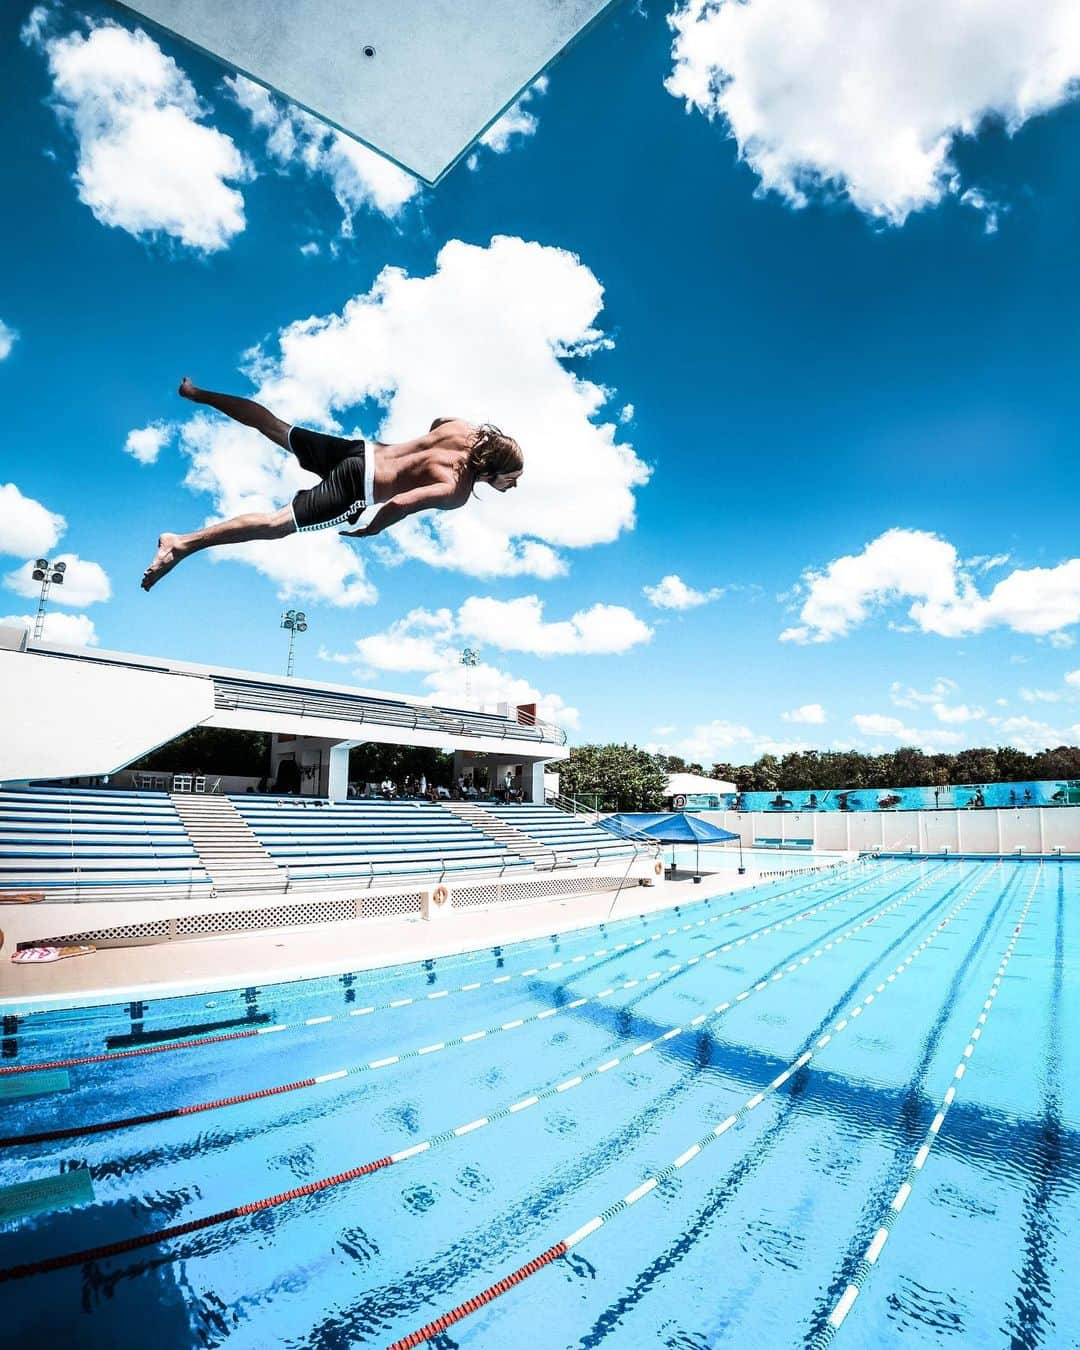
x: 233, y: 857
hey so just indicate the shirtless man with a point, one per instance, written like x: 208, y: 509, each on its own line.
x: 435, y: 471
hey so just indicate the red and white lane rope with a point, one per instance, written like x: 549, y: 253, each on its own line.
x: 402, y: 1155
x: 586, y: 1230
x: 616, y: 949
x: 869, y: 1259
x: 351, y: 1071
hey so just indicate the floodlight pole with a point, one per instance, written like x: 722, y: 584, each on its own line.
x: 49, y: 574
x: 469, y: 659
x: 295, y: 620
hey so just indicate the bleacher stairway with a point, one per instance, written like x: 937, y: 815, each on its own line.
x: 513, y: 840
x: 231, y: 854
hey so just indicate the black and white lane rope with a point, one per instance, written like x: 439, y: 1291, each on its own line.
x: 870, y: 1257
x: 650, y: 1184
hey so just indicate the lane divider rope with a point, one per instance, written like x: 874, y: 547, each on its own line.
x: 869, y: 1258
x: 123, y: 1246
x: 106, y: 1057
x: 651, y: 1183
x: 335, y: 1075
x: 820, y: 877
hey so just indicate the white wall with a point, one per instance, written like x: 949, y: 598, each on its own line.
x: 71, y: 719
x: 1033, y: 829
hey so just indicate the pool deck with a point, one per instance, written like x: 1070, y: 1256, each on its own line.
x: 274, y: 956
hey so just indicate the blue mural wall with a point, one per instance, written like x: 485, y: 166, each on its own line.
x: 959, y: 796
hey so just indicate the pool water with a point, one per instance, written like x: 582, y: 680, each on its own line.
x: 722, y: 1173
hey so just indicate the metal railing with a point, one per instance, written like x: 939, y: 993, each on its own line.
x: 232, y: 695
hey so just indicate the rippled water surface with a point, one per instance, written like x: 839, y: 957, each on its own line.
x: 751, y: 1241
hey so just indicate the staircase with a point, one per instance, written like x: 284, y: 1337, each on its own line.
x: 515, y: 841
x: 231, y: 854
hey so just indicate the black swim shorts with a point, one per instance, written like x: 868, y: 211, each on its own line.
x: 347, y: 473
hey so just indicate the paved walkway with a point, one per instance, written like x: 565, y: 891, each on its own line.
x: 118, y: 974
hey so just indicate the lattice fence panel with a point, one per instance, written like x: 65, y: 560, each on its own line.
x: 155, y: 928
x: 277, y: 916
x: 387, y: 906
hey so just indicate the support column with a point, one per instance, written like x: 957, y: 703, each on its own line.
x: 337, y: 783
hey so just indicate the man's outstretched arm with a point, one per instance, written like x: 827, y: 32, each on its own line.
x: 433, y: 496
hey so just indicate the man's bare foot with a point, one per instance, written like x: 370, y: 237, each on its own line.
x: 169, y: 552
x: 189, y: 391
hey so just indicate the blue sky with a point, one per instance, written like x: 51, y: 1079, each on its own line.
x: 744, y: 332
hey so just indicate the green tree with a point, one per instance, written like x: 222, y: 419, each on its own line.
x: 623, y: 777
x: 211, y: 750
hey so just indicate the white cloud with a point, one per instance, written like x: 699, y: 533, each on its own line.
x: 903, y: 696
x: 487, y: 686
x: 74, y: 630
x: 626, y: 413
x: 1061, y: 640
x: 310, y: 249
x: 421, y: 641
x: 879, y: 724
x: 358, y: 177
x: 957, y: 712
x: 27, y: 527
x: 721, y: 740
x: 1041, y: 695
x: 837, y: 97
x: 986, y: 562
x: 1073, y: 678
x: 515, y: 310
x: 427, y: 640
x: 710, y: 741
x: 517, y: 124
x: 1026, y: 733
x: 812, y: 714
x: 36, y: 26
x: 671, y: 592
x: 8, y: 338
x: 146, y: 443
x: 85, y: 583
x: 913, y: 565
x: 147, y: 163
x: 519, y: 626
x: 979, y: 201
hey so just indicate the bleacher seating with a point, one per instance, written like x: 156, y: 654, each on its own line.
x: 91, y: 843
x: 320, y: 843
x: 771, y: 842
x: 95, y: 844
x: 567, y: 835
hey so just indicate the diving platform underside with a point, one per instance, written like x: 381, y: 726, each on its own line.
x: 419, y: 81
x: 72, y: 712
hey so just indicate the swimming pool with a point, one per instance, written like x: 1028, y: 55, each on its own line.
x: 839, y: 1107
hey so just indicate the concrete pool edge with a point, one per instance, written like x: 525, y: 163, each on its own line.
x: 285, y: 955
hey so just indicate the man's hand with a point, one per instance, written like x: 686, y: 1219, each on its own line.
x: 359, y: 533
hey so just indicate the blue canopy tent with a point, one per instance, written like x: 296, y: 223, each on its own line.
x: 671, y: 828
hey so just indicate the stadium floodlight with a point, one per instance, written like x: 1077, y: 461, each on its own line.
x: 49, y: 574
x: 470, y: 659
x: 295, y: 620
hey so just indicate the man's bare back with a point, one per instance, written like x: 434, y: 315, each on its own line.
x: 435, y: 471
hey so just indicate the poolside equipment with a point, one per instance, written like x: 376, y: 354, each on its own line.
x: 670, y: 828
x: 37, y: 956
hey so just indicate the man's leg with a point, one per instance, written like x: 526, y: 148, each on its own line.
x: 173, y: 548
x: 243, y: 410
